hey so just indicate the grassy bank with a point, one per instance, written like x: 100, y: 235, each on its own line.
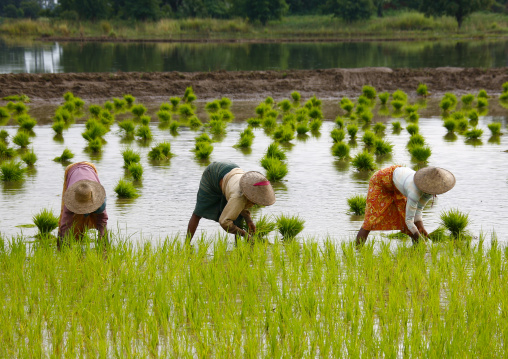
x: 403, y: 25
x: 290, y: 300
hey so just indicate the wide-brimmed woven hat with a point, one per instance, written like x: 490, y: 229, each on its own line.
x: 257, y: 189
x: 84, y: 196
x: 434, y: 180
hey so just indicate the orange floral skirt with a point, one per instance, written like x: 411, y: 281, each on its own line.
x: 386, y: 206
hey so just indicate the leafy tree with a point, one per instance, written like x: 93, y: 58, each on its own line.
x: 260, y: 10
x: 30, y: 9
x: 11, y: 11
x: 303, y: 7
x: 142, y: 9
x: 351, y: 10
x: 459, y: 9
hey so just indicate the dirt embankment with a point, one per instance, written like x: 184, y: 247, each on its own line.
x: 251, y: 85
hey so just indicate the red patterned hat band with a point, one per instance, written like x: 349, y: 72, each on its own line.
x: 263, y: 183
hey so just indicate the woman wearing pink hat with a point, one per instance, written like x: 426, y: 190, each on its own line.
x: 225, y: 194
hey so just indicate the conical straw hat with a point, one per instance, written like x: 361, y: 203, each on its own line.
x: 84, y: 196
x: 434, y: 180
x: 257, y: 189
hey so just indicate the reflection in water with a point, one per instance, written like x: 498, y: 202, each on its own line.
x: 316, y: 187
x: 475, y: 142
x: 450, y: 137
x: 495, y: 139
x: 190, y: 57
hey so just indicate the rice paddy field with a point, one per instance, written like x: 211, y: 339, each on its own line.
x: 309, y: 294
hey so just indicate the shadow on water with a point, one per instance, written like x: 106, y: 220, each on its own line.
x: 362, y: 176
x: 279, y: 187
x: 245, y: 150
x: 302, y: 137
x: 58, y: 138
x: 380, y: 159
x: 495, y: 139
x: 450, y: 137
x: 353, y: 143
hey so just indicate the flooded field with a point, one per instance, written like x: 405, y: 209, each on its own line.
x: 316, y: 187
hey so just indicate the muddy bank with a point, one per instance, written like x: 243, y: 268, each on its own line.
x: 251, y: 85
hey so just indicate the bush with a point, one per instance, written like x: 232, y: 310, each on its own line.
x: 357, y: 204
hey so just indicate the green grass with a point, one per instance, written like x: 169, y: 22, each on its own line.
x: 66, y: 155
x: 416, y: 140
x: 352, y: 130
x: 274, y: 151
x: 125, y: 189
x: 337, y: 135
x: 95, y: 145
x: 12, y: 171
x: 289, y: 226
x: 412, y: 129
x: 369, y: 138
x: 382, y: 147
x: 357, y: 204
x: 450, y: 124
x: 45, y: 221
x: 363, y: 161
x: 455, y: 222
x: 144, y: 132
x: 422, y: 90
x: 265, y: 225
x: 127, y: 126
x: 130, y: 156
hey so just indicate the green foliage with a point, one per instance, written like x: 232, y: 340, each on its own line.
x: 94, y: 130
x: 285, y: 105
x: 217, y: 127
x: 415, y: 140
x: 412, y: 129
x: 95, y: 145
x: 363, y: 161
x: 420, y: 153
x: 368, y: 138
x: 66, y: 155
x: 283, y: 133
x: 203, y: 150
x: 351, y: 10
x: 144, y: 132
x: 495, y: 128
x: 422, y: 90
x: 164, y: 116
x: 12, y: 171
x: 450, y: 124
x: 275, y: 168
x: 347, y: 105
x: 26, y: 122
x: 474, y: 133
x: 127, y: 126
x: 352, y: 130
x: 264, y: 225
x: 136, y: 171
x: 58, y: 127
x: 357, y: 204
x: 383, y: 97
x: 482, y: 102
x: 379, y: 127
x: 45, y: 221
x: 399, y: 95
x: 295, y: 95
x: 6, y: 151
x: 369, y: 92
x: 274, y: 151
x: 397, y: 105
x: 95, y: 110
x: 482, y: 94
x: 162, y: 151
x: 289, y: 226
x: 458, y: 9
x: 130, y: 156
x: 338, y: 135
x: 125, y: 189
x: 246, y: 138
x: 4, y: 113
x: 138, y: 110
x: 315, y: 125
x: 382, y: 147
x: 302, y: 128
x: 455, y: 221
x: 29, y: 158
x: 22, y: 139
x: 396, y: 126
x: 189, y: 97
x: 467, y: 99
x: 129, y: 99
x: 341, y: 150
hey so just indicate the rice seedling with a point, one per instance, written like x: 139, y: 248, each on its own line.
x: 225, y: 103
x: 482, y: 103
x: 455, y: 222
x: 125, y: 189
x: 413, y: 117
x: 195, y: 123
x: 397, y: 105
x: 474, y: 133
x: 6, y: 152
x: 369, y: 92
x: 175, y: 103
x: 422, y: 90
x: 283, y: 134
x: 3, y: 136
x: 339, y: 121
x: 482, y: 94
x: 94, y: 130
x: 138, y: 110
x: 384, y: 97
x: 313, y: 102
x: 495, y: 128
x: 473, y: 116
x: 420, y: 153
x: 45, y: 221
x: 145, y: 120
x: 162, y: 151
x: 289, y: 226
x: 246, y: 138
x: 285, y: 105
x: 95, y: 145
x: 379, y: 127
x: 119, y: 104
x: 109, y: 106
x: 136, y: 170
x: 21, y: 98
x: 399, y: 95
x: 130, y: 156
x: 338, y: 135
x: 295, y: 95
x: 462, y: 125
x: 26, y: 122
x: 450, y: 124
x: 352, y: 130
x: 357, y: 204
x: 144, y: 132
x: 302, y: 128
x: 71, y: 107
x: 203, y: 150
x: 382, y: 147
x: 341, y: 150
x: 217, y: 127
x: 66, y: 156
x: 315, y: 113
x: 363, y: 161
x: 127, y: 126
x: 107, y: 118
x: 446, y: 105
x: 4, y: 114
x: 366, y: 116
x: 347, y: 105
x: 396, y: 126
x: 412, y: 129
x: 264, y: 225
x: 189, y: 96
x: 173, y: 127
x: 368, y: 138
x: 94, y: 110
x: 129, y: 99
x: 29, y: 158
x: 254, y: 121
x: 274, y: 151
x: 269, y: 122
x: 12, y: 171
x: 58, y: 127
x: 63, y: 115
x: 213, y: 106
x: 504, y: 86
x: 164, y: 116
x: 22, y: 139
x: 19, y: 108
x: 315, y: 125
x: 364, y: 102
x: 203, y: 138
x: 467, y: 99
x: 275, y: 168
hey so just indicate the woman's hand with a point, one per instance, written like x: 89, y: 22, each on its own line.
x: 252, y: 227
x: 421, y: 229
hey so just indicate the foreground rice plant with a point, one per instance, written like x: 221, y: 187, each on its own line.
x: 66, y: 155
x: 455, y: 221
x: 130, y: 156
x: 275, y: 168
x: 29, y: 158
x: 341, y: 150
x: 289, y: 226
x: 136, y: 171
x: 420, y: 153
x: 162, y: 151
x: 12, y: 171
x: 125, y: 189
x: 495, y: 128
x: 363, y: 161
x: 282, y: 300
x: 357, y: 204
x: 45, y: 221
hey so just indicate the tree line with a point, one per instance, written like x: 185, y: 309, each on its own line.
x: 260, y: 11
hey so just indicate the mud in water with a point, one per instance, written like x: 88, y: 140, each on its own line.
x: 251, y: 85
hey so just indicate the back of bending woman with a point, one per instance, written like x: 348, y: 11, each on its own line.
x: 397, y: 196
x: 226, y: 192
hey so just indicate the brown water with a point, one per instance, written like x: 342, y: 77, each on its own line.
x: 316, y: 187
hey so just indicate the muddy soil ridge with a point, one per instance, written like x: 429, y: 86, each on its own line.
x: 252, y: 85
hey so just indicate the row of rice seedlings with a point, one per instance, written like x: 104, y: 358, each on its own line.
x: 274, y: 162
x: 203, y: 147
x: 316, y: 298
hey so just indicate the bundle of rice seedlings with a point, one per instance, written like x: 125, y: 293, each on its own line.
x: 106, y: 118
x: 94, y: 110
x: 302, y: 128
x: 217, y: 127
x: 269, y: 122
x: 352, y: 130
x: 422, y: 90
x: 19, y: 108
x: 95, y: 145
x: 145, y: 120
x: 357, y: 204
x: 338, y: 135
x: 399, y: 95
x: 265, y: 225
x: 412, y: 129
x: 6, y: 151
x: 125, y: 189
x: 467, y: 99
x: 347, y: 105
x: 315, y: 113
x: 185, y: 111
x: 136, y: 170
x: 58, y: 127
x: 4, y: 114
x: 369, y: 92
x: 383, y: 97
x: 368, y: 138
x: 130, y: 156
x: 495, y: 128
x: 22, y: 139
x: 94, y: 130
x: 164, y: 116
x: 144, y: 132
x: 203, y: 138
x: 363, y: 161
x: 289, y: 226
x: 254, y: 121
x: 379, y: 127
x: 213, y: 106
x: 450, y: 124
x: 275, y: 168
x: 66, y: 156
x: 473, y: 116
x: 396, y: 126
x: 415, y: 140
x: 26, y: 122
x: 482, y: 94
x: 45, y: 221
x: 420, y: 153
x: 162, y: 151
x: 246, y: 138
x: 365, y: 116
x: 175, y: 103
x: 413, y: 117
x: 315, y: 125
x: 397, y: 105
x: 138, y: 110
x: 462, y: 125
x: 285, y: 105
x: 127, y: 126
x: 295, y: 95
x: 109, y: 106
x: 29, y: 158
x: 482, y: 102
x: 11, y: 171
x: 195, y: 123
x: 203, y: 150
x: 119, y: 104
x: 382, y: 147
x: 283, y: 133
x: 274, y: 151
x: 189, y: 96
x: 129, y: 99
x: 225, y: 103
x: 341, y: 150
x: 474, y: 133
x: 455, y: 222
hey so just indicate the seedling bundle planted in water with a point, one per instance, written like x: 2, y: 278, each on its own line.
x: 357, y: 204
x: 136, y: 170
x: 45, y: 221
x: 22, y: 139
x: 337, y: 135
x: 495, y: 128
x: 125, y: 189
x: 161, y: 151
x: 12, y: 171
x: 66, y: 156
x: 474, y: 134
x: 341, y: 150
x: 420, y: 153
x: 246, y: 138
x: 29, y: 158
x: 455, y: 222
x: 363, y: 161
x: 289, y: 226
x: 130, y: 156
x: 275, y: 168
